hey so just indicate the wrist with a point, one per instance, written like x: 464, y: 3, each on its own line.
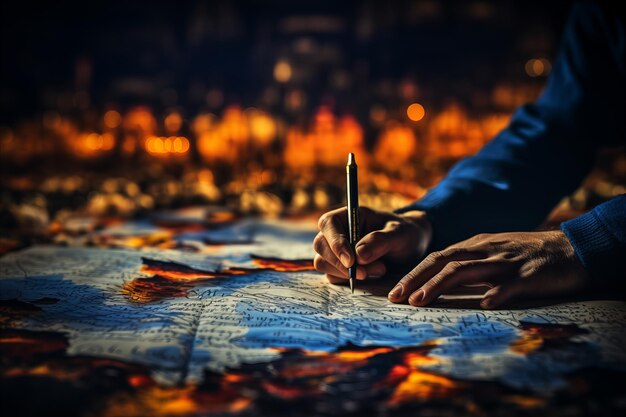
x: 570, y: 254
x: 420, y: 220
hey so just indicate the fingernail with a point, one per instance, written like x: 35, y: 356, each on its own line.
x: 417, y: 297
x: 486, y: 303
x: 397, y: 291
x: 345, y: 260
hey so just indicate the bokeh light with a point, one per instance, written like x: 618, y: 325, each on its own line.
x: 282, y: 71
x: 415, y: 112
x: 538, y: 67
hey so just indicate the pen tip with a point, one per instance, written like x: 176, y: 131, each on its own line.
x: 352, y: 285
x: 351, y: 158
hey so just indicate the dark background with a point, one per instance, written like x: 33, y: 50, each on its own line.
x: 174, y: 53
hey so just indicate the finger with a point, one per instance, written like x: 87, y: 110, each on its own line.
x: 527, y: 282
x: 336, y: 280
x: 501, y: 294
x: 339, y: 271
x: 427, y: 269
x: 377, y: 244
x: 322, y: 265
x: 374, y: 270
x: 321, y: 246
x: 454, y: 274
x: 334, y: 228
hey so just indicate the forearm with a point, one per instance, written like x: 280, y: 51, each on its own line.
x: 547, y: 149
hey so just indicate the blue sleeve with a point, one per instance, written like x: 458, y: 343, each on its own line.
x: 548, y: 146
x: 599, y: 239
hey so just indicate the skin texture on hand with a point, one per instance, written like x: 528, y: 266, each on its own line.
x: 388, y: 240
x: 514, y: 265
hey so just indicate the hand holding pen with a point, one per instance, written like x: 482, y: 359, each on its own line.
x: 389, y: 242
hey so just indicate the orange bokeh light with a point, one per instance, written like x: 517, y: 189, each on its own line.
x: 164, y: 146
x: 415, y: 112
x: 173, y: 122
x: 112, y: 119
x: 537, y: 67
x: 282, y: 71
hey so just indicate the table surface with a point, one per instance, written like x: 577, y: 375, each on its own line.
x: 177, y: 315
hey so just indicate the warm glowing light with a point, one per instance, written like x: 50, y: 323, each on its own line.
x: 537, y: 67
x: 396, y: 147
x: 177, y: 145
x: 93, y: 141
x: 326, y: 143
x: 452, y: 133
x: 173, y: 122
x: 415, y: 112
x: 262, y: 128
x: 108, y: 141
x: 184, y: 145
x: 167, y: 145
x: 158, y: 145
x: 420, y: 384
x: 526, y: 344
x: 282, y: 71
x: 234, y: 126
x: 163, y: 146
x: 140, y: 120
x: 112, y: 119
x: 203, y: 123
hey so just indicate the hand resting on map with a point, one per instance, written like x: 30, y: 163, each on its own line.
x: 514, y: 265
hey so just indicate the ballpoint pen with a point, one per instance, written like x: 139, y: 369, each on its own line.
x: 352, y: 195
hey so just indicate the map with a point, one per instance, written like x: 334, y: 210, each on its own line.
x: 254, y: 299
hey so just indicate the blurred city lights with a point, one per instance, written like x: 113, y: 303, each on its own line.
x: 164, y: 146
x: 282, y: 71
x: 537, y: 67
x: 173, y: 122
x: 112, y: 119
x: 415, y: 112
x: 377, y: 114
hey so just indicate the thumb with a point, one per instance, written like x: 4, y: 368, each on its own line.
x: 378, y: 243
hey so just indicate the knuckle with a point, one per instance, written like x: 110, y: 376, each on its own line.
x: 318, y: 262
x: 455, y: 266
x: 529, y: 269
x: 375, y: 236
x: 433, y: 257
x: 338, y: 265
x: 452, y: 251
x: 508, y: 256
x: 337, y: 243
x: 324, y: 221
x: 410, y: 277
x: 436, y: 281
x: 393, y: 225
x: 318, y: 243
